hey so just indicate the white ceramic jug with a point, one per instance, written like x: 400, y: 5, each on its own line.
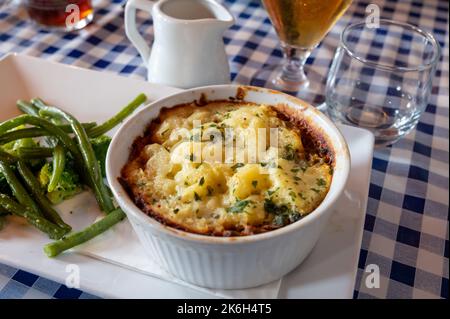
x: 188, y: 49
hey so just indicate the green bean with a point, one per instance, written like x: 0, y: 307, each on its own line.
x: 90, y: 161
x: 37, y: 132
x: 51, y: 141
x: 34, y: 152
x: 35, y: 189
x: 59, y: 161
x: 22, y: 133
x: 53, y: 231
x: 55, y: 248
x: 87, y: 126
x: 66, y: 128
x: 17, y: 188
x: 38, y: 103
x: 56, y: 131
x: 119, y: 117
x: 27, y: 108
x: 6, y: 157
x: 31, y: 109
x: 52, y: 129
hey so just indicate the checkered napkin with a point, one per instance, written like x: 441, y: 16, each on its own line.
x: 406, y: 228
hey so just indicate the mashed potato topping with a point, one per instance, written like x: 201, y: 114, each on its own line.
x: 183, y: 173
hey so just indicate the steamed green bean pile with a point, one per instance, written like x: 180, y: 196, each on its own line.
x: 47, y: 156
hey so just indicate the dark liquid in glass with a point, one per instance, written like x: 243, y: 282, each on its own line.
x: 57, y: 13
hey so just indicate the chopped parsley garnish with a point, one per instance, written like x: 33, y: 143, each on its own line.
x: 254, y: 183
x: 293, y: 195
x: 272, y: 208
x: 201, y: 181
x: 176, y: 210
x: 303, y: 166
x: 315, y: 190
x: 270, y: 193
x: 210, y: 190
x: 295, y: 170
x: 302, y: 196
x: 237, y: 165
x: 196, y: 196
x: 290, y: 153
x: 239, y: 206
x: 283, y: 214
x: 321, y: 182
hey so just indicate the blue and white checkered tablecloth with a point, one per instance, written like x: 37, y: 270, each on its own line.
x: 406, y: 227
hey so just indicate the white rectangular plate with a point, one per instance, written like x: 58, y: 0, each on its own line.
x: 329, y: 272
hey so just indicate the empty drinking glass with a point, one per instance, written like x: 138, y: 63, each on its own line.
x: 381, y: 78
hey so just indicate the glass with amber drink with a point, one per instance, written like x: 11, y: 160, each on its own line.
x: 67, y: 15
x: 300, y: 25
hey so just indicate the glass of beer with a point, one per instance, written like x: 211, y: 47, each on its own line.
x: 300, y: 25
x: 66, y: 15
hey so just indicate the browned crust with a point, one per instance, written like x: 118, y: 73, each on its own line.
x: 240, y: 93
x: 313, y: 139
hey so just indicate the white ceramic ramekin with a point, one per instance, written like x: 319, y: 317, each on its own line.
x: 227, y: 262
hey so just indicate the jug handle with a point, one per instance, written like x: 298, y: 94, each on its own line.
x: 131, y: 29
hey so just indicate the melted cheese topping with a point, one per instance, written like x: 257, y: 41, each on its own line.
x: 222, y: 192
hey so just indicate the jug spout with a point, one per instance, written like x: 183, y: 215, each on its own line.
x: 223, y: 17
x: 221, y: 25
x: 191, y: 11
